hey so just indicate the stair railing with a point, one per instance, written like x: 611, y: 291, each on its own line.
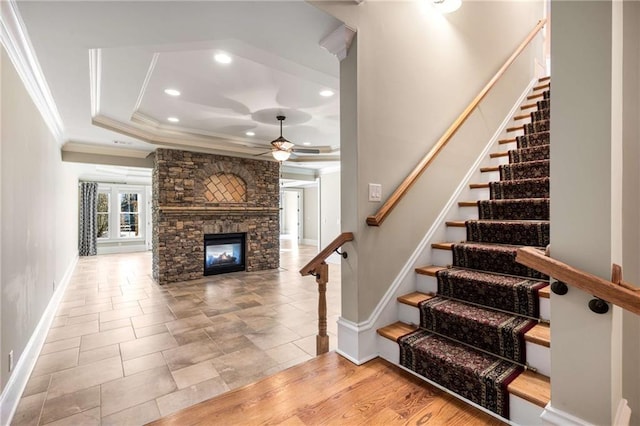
x: 615, y: 291
x: 319, y: 269
x: 403, y: 188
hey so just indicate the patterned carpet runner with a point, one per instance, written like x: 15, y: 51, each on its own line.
x: 486, y: 300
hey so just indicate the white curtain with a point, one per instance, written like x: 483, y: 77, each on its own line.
x: 88, y: 217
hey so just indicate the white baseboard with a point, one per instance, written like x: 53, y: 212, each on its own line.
x: 18, y: 380
x: 386, y: 311
x: 623, y: 414
x: 553, y: 416
x: 122, y: 249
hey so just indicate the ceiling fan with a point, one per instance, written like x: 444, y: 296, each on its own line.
x: 282, y: 148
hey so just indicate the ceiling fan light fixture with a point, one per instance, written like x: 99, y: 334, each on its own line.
x: 250, y: 133
x: 281, y: 147
x: 446, y: 6
x: 327, y: 93
x: 173, y: 119
x: 280, y: 155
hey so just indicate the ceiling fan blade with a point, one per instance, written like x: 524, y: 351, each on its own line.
x: 306, y: 150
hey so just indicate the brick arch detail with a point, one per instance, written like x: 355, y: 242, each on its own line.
x: 222, y: 172
x: 225, y: 188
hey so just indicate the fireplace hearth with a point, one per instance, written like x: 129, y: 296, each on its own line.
x: 224, y: 253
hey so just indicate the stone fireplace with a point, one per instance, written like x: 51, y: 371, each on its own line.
x: 198, y: 194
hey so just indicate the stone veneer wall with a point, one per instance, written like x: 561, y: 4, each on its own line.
x: 182, y: 212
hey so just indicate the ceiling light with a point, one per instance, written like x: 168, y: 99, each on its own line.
x: 172, y: 92
x: 306, y: 143
x: 173, y: 119
x: 250, y: 133
x: 327, y: 93
x: 446, y: 6
x: 222, y: 58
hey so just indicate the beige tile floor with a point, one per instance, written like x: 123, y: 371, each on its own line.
x: 125, y: 351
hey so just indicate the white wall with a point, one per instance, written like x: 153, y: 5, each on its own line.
x: 584, y: 204
x: 329, y: 210
x: 410, y: 74
x: 631, y: 202
x: 311, y: 215
x: 39, y: 218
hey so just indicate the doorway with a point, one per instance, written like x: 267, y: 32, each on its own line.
x: 291, y: 214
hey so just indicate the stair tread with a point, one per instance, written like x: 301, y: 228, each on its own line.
x: 528, y: 106
x: 532, y: 387
x: 467, y: 203
x: 490, y: 169
x: 545, y: 292
x: 478, y: 185
x: 443, y: 246
x: 545, y: 78
x: 499, y: 154
x: 514, y: 129
x: 540, y: 334
x: 456, y: 223
x: 542, y: 86
x: 395, y: 330
x: 535, y: 96
x: 507, y: 140
x: 413, y: 299
x: 429, y: 270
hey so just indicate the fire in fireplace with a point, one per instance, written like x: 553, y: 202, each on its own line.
x: 224, y: 253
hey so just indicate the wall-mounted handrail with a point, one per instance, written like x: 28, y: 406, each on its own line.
x: 403, y: 188
x: 319, y: 268
x: 617, y: 292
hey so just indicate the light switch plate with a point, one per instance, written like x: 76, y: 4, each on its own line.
x: 375, y: 192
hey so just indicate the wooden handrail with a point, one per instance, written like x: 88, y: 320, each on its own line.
x: 310, y: 267
x: 319, y: 268
x: 401, y: 191
x: 618, y: 292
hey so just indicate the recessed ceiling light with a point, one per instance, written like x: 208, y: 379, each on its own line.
x: 172, y: 92
x: 250, y: 133
x: 173, y: 119
x: 326, y: 93
x: 306, y: 143
x: 222, y: 58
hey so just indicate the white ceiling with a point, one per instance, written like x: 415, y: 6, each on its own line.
x: 107, y: 65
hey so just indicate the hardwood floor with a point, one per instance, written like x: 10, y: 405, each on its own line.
x: 329, y: 390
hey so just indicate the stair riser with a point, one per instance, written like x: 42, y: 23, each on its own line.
x: 479, y: 194
x: 429, y: 284
x: 441, y: 257
x: 467, y: 213
x: 455, y: 233
x: 539, y: 356
x: 522, y: 412
x: 490, y: 176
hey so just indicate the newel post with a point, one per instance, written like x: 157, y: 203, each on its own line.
x: 322, y: 339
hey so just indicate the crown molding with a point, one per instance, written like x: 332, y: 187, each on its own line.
x: 86, y: 148
x: 15, y: 40
x: 338, y: 42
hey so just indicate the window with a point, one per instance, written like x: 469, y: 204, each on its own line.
x: 129, y: 215
x: 104, y: 199
x: 121, y: 213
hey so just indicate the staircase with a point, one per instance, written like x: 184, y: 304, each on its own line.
x: 478, y: 324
